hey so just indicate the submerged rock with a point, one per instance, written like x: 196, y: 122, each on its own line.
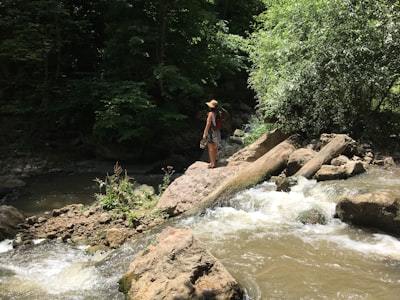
x: 312, y: 216
x: 9, y: 183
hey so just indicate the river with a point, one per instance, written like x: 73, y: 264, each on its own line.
x: 256, y: 236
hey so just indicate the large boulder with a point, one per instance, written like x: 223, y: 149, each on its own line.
x: 375, y: 210
x: 178, y: 267
x: 340, y: 160
x: 257, y: 149
x: 329, y: 172
x: 338, y: 144
x: 298, y: 159
x: 188, y: 190
x: 10, y: 218
x: 200, y: 188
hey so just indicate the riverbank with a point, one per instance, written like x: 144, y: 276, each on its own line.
x: 99, y: 229
x: 96, y: 229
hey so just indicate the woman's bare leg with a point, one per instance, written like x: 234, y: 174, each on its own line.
x: 212, y: 152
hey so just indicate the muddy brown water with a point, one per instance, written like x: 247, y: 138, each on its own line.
x: 257, y: 237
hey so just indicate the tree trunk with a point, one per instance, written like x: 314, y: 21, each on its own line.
x: 331, y: 150
x: 271, y: 163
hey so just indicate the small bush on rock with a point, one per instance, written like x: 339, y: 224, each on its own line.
x: 121, y: 193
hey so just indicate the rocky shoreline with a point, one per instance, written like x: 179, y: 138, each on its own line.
x: 199, y: 186
x: 186, y: 192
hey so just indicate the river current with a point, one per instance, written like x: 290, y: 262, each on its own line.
x: 258, y: 238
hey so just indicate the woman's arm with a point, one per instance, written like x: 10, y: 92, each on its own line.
x: 208, y: 124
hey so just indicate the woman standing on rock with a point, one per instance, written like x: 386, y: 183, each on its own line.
x: 211, y: 133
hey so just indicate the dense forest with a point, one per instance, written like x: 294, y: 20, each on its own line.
x: 134, y: 74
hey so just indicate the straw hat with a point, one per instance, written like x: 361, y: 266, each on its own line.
x: 212, y: 103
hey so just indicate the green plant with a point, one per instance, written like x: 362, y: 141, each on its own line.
x: 119, y: 191
x: 168, y: 172
x: 255, y: 128
x: 121, y: 194
x: 132, y: 219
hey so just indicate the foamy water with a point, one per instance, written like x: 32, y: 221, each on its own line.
x: 51, y: 271
x: 263, y: 244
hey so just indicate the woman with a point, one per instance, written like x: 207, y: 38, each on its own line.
x: 210, y: 134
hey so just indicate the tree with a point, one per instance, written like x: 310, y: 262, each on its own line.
x: 45, y: 44
x: 173, y: 50
x: 327, y: 65
x: 119, y: 72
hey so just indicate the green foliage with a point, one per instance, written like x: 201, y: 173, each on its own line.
x: 239, y: 13
x: 256, y: 128
x: 326, y: 65
x: 125, y: 113
x: 175, y: 84
x: 119, y: 191
x: 117, y: 72
x: 132, y: 219
x: 175, y: 48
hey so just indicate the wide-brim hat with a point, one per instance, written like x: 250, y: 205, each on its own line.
x: 212, y: 103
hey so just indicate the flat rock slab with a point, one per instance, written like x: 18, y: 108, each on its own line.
x: 188, y: 190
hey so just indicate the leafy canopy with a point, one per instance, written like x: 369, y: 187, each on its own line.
x: 327, y: 65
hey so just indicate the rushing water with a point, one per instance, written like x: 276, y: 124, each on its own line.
x: 257, y: 237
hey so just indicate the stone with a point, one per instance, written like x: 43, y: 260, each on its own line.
x: 340, y: 160
x: 297, y: 159
x: 104, y: 218
x: 337, y: 145
x: 312, y: 216
x: 329, y: 172
x: 238, y: 132
x: 353, y: 168
x: 374, y: 210
x: 388, y: 162
x: 10, y: 218
x: 188, y: 190
x: 178, y: 266
x: 9, y: 184
x: 115, y: 237
x: 257, y: 149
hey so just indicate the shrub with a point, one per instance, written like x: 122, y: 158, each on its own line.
x: 122, y: 193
